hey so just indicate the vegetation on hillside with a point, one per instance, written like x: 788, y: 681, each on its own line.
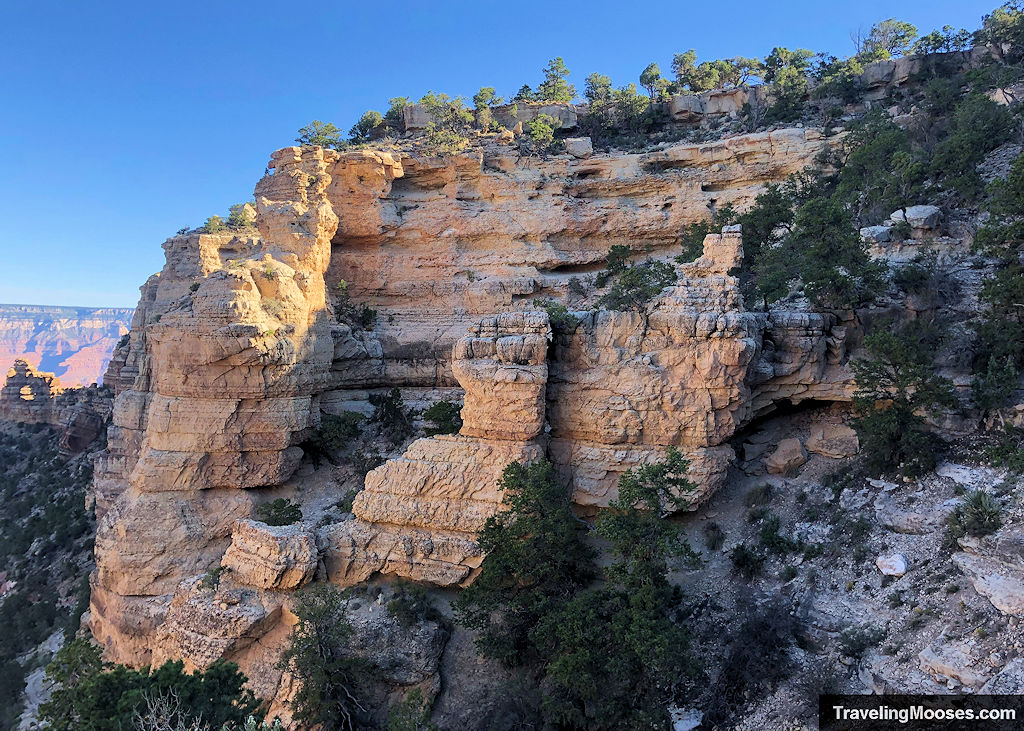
x: 45, y: 552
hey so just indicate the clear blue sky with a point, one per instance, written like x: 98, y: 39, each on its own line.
x: 121, y: 122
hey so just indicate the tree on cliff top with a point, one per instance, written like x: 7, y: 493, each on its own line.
x: 555, y: 88
x: 320, y: 134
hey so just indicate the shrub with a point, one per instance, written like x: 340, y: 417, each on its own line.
x: 694, y: 233
x: 615, y: 262
x: 993, y: 388
x: 410, y: 604
x: 558, y: 314
x: 363, y: 463
x: 856, y: 640
x: 760, y: 495
x: 211, y: 579
x: 714, y: 536
x: 635, y: 286
x: 241, y: 215
x: 773, y: 540
x: 446, y: 416
x: 338, y: 431
x: 893, y: 388
x: 535, y: 561
x: 281, y: 511
x: 757, y: 658
x: 978, y: 125
x: 91, y: 694
x: 1009, y: 449
x: 541, y: 131
x: 746, y: 562
x: 978, y: 515
x: 362, y: 130
x: 357, y: 316
x: 390, y: 413
x: 412, y: 713
x: 331, y: 682
x: 213, y: 225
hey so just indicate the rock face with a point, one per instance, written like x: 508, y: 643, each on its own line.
x: 75, y: 343
x: 271, y: 557
x: 244, y: 338
x: 236, y: 348
x: 33, y: 397
x: 418, y: 515
x: 995, y: 565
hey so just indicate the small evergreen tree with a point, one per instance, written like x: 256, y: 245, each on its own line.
x: 894, y: 387
x: 320, y: 134
x: 555, y: 87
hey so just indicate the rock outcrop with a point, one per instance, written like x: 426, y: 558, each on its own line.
x: 418, y: 515
x: 246, y: 336
x: 33, y: 397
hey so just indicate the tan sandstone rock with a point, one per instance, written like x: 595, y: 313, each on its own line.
x: 833, y: 440
x: 788, y: 455
x: 271, y: 557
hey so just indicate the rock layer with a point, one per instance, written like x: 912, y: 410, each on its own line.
x: 245, y: 336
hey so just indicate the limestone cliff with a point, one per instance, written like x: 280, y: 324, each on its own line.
x: 242, y: 340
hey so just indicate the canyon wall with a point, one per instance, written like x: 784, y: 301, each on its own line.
x: 241, y: 343
x: 74, y: 343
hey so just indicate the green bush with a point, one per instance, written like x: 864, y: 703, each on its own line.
x: 894, y: 387
x: 337, y: 432
x: 714, y: 536
x: 211, y: 579
x: 635, y: 286
x: 978, y: 125
x: 541, y: 131
x: 1008, y: 451
x: 332, y: 683
x: 558, y: 314
x: 856, y: 640
x: 410, y: 604
x: 390, y: 413
x: 993, y: 388
x: 979, y: 515
x: 535, y: 560
x: 91, y: 694
x: 320, y: 134
x: 281, y: 511
x: 694, y: 233
x: 746, y: 562
x: 446, y: 416
x: 357, y: 316
x: 213, y: 225
x: 366, y: 126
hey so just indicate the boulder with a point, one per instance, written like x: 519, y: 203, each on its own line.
x: 919, y: 217
x: 833, y: 440
x: 1002, y: 583
x: 271, y: 557
x: 579, y: 147
x: 876, y: 234
x: 1008, y: 681
x: 894, y: 565
x: 952, y: 661
x: 787, y: 457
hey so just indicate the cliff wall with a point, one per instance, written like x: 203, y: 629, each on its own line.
x: 242, y: 342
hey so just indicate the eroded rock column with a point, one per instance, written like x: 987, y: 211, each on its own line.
x: 419, y: 514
